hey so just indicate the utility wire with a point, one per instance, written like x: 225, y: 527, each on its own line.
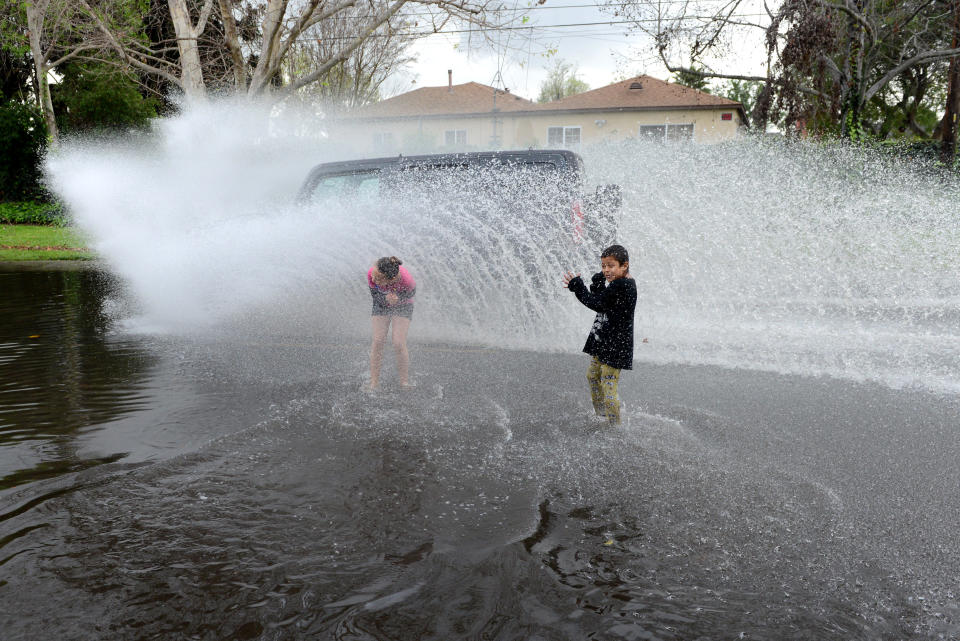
x: 530, y: 27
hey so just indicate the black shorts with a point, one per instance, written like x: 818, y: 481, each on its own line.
x: 393, y: 310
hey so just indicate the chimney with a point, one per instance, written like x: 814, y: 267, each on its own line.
x: 449, y: 80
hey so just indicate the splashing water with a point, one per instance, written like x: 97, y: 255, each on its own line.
x: 795, y: 258
x: 791, y: 258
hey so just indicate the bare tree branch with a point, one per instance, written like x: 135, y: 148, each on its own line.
x: 920, y: 58
x: 343, y: 55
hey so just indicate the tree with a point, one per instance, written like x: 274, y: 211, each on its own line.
x: 357, y: 80
x: 99, y: 96
x: 948, y: 126
x: 826, y: 59
x: 745, y: 92
x: 54, y: 32
x: 22, y: 142
x: 692, y: 78
x: 280, y: 26
x: 561, y: 82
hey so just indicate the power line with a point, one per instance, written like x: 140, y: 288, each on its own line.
x: 532, y: 27
x: 519, y: 10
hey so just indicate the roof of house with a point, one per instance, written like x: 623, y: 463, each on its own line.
x: 472, y: 98
x: 640, y: 92
x: 467, y: 98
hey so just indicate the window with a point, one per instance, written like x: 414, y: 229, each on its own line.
x: 659, y: 133
x: 679, y: 132
x: 363, y: 186
x: 652, y: 132
x: 563, y: 137
x: 382, y: 140
x: 455, y: 137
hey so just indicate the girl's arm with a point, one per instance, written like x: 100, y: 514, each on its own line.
x: 379, y: 297
x: 407, y: 295
x: 407, y: 288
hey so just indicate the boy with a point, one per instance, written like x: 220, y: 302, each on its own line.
x: 613, y: 295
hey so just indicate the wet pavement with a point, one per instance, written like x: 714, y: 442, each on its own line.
x: 239, y: 485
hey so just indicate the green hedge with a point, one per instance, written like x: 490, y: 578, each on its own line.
x: 23, y: 139
x: 31, y: 213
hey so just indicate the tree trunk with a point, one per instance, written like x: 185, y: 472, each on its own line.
x: 852, y: 113
x: 948, y: 144
x: 191, y: 71
x: 232, y: 38
x: 35, y: 18
x: 271, y: 23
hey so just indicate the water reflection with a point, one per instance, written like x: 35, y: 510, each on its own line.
x: 60, y: 371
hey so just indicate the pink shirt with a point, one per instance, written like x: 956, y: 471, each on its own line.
x: 403, y: 287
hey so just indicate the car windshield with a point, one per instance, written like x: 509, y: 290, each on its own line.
x: 350, y: 186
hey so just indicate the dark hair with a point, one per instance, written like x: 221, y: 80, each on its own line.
x: 616, y: 252
x: 389, y: 266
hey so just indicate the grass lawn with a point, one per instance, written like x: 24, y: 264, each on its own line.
x: 41, y: 242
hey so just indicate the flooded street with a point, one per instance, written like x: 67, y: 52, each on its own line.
x: 237, y: 484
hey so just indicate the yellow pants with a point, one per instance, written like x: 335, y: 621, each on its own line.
x: 604, y: 381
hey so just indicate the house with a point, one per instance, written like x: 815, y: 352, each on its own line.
x: 473, y: 116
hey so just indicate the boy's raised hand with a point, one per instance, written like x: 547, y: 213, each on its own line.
x: 567, y: 277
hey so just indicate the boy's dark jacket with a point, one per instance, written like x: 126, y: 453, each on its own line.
x: 611, y: 337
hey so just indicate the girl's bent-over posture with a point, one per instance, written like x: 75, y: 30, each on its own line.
x: 392, y: 288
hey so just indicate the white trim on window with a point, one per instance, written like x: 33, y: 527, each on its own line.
x: 455, y: 137
x: 667, y: 131
x: 566, y: 136
x: 382, y: 140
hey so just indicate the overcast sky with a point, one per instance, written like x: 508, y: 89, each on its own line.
x: 602, y: 53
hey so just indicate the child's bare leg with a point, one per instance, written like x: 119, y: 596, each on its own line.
x: 400, y: 327
x: 596, y: 392
x: 381, y: 324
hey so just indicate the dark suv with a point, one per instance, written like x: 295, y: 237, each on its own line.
x: 536, y: 195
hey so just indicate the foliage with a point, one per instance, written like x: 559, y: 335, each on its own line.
x: 32, y: 213
x: 870, y: 68
x: 358, y: 79
x: 95, y: 96
x: 55, y: 32
x: 561, y: 82
x: 745, y: 92
x: 23, y: 138
x: 693, y: 78
x: 15, y: 72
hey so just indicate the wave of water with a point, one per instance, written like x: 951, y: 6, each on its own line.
x: 794, y: 258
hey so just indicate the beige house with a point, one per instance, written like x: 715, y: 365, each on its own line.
x: 472, y: 116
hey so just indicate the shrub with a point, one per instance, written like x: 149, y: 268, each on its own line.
x: 23, y: 138
x: 32, y: 213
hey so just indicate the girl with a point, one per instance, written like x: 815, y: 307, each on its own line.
x: 613, y: 295
x: 392, y: 288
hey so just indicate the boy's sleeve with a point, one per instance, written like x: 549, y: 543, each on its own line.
x: 603, y: 301
x: 598, y: 283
